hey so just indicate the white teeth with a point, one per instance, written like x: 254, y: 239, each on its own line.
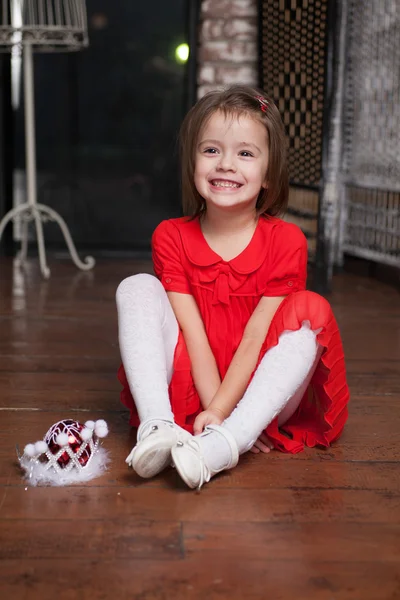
x: 225, y: 184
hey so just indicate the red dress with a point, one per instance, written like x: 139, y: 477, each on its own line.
x: 227, y: 292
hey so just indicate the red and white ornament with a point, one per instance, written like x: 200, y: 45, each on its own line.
x: 69, y: 453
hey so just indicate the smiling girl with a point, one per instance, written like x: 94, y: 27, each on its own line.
x: 226, y: 343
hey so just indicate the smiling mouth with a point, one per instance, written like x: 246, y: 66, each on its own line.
x: 223, y: 183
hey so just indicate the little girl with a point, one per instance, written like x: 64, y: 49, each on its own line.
x: 226, y: 343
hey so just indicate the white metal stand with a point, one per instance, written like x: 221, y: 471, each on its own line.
x: 31, y: 210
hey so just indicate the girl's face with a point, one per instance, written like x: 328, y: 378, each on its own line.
x: 231, y: 161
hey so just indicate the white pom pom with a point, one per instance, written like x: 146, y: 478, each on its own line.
x: 29, y: 450
x: 89, y: 424
x: 101, y: 423
x: 41, y: 447
x: 62, y: 439
x: 101, y: 431
x: 86, y: 434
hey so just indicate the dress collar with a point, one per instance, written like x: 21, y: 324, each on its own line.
x: 249, y: 260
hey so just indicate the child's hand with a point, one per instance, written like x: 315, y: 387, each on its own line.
x: 211, y: 416
x: 263, y: 444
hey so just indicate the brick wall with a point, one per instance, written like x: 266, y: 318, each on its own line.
x: 228, y: 44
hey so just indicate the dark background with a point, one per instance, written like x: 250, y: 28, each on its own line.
x: 107, y: 119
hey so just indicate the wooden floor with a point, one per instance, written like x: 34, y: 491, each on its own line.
x: 324, y: 524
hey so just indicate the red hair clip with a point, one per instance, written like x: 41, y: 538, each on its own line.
x: 263, y: 103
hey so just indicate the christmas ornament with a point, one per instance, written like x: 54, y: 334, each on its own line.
x: 69, y: 453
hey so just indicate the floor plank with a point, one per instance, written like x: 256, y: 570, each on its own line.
x: 43, y: 539
x: 297, y: 541
x: 211, y: 575
x: 377, y: 438
x: 176, y: 502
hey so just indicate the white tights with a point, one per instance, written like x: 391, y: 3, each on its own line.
x: 148, y: 333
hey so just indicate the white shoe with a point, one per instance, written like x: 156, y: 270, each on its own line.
x: 152, y: 452
x: 189, y: 460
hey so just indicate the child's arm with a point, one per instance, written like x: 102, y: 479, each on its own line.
x: 204, y: 367
x: 242, y: 365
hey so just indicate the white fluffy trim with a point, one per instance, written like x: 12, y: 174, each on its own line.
x: 36, y: 473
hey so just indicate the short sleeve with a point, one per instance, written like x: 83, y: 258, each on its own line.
x: 167, y: 261
x: 287, y: 271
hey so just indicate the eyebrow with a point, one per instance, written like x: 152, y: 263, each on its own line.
x: 216, y: 142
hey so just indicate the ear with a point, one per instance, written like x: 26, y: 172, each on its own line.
x: 265, y: 183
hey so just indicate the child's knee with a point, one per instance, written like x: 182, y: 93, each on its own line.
x: 319, y: 306
x: 311, y: 305
x: 136, y: 284
x: 308, y: 306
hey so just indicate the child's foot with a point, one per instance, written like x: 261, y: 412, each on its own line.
x: 196, y: 459
x: 152, y: 452
x: 262, y: 444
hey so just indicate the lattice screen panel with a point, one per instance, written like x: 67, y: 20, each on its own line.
x: 292, y: 45
x: 371, y: 130
x: 373, y: 224
x: 293, y: 39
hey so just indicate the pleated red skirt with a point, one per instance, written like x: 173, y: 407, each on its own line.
x: 322, y: 412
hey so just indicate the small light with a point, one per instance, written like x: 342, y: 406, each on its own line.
x: 182, y: 53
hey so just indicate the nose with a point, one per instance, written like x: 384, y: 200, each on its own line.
x: 226, y: 163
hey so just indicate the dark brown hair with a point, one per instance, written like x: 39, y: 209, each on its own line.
x: 236, y: 100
